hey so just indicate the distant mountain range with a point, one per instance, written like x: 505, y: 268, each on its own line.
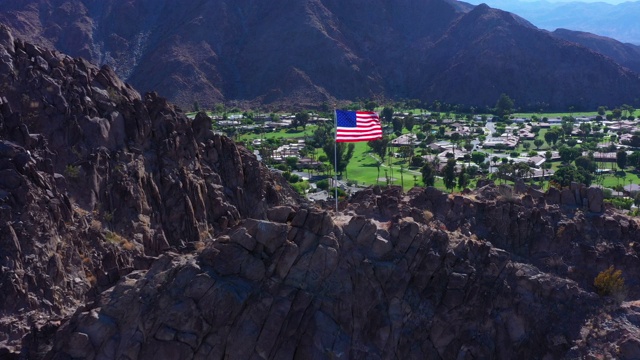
x: 301, y: 53
x: 619, y: 21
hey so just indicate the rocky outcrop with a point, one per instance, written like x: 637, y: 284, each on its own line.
x: 419, y: 275
x: 558, y: 231
x: 96, y: 181
x: 313, y: 288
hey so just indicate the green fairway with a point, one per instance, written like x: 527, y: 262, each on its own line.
x: 280, y: 134
x: 623, y: 178
x: 555, y: 115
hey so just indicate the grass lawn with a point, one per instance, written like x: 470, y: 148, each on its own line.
x: 281, y: 134
x: 625, y: 178
x: 555, y: 115
x: 363, y: 169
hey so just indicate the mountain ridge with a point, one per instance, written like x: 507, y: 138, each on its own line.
x: 317, y: 51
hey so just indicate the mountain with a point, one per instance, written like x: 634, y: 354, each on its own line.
x: 617, y: 21
x: 128, y: 230
x: 314, y: 51
x: 303, y: 53
x: 627, y: 55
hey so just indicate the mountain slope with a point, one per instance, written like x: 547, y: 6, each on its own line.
x: 301, y: 53
x: 627, y: 55
x: 483, y: 53
x: 617, y: 21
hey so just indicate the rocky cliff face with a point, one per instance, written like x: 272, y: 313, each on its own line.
x: 488, y: 274
x: 97, y: 180
x: 303, y: 53
x: 130, y: 231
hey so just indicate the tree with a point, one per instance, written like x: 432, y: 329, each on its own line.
x: 409, y: 122
x: 463, y: 178
x: 551, y: 137
x: 344, y: 154
x: 449, y: 174
x: 397, y: 125
x: 602, y: 110
x: 428, y: 174
x: 504, y: 105
x: 616, y: 113
x: 565, y: 175
x: 478, y: 157
x: 585, y: 163
x: 301, y: 119
x: 292, y: 162
x: 370, y: 105
x: 567, y: 128
x: 387, y: 114
x: 505, y: 170
x: 634, y: 159
x: 621, y: 159
x: 379, y: 146
x: 568, y: 154
x: 538, y: 143
x: 585, y: 127
x: 468, y: 146
x: 455, y: 138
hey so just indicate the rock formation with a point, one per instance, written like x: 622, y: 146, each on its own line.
x: 96, y: 180
x: 130, y: 231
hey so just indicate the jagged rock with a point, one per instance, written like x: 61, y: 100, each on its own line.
x: 100, y: 182
x: 595, y: 198
x: 567, y: 197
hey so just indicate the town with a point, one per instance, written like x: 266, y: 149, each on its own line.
x: 448, y: 149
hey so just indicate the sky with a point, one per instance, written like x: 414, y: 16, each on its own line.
x: 614, y: 2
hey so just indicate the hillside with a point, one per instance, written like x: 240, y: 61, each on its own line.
x: 627, y: 55
x: 130, y: 231
x: 617, y: 21
x: 303, y: 53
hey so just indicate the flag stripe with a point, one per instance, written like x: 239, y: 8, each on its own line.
x: 357, y: 126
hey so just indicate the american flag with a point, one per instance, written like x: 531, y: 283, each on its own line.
x: 354, y: 126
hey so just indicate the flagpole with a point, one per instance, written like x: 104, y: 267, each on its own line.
x: 335, y: 155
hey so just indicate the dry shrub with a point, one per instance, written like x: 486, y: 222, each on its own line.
x: 96, y: 225
x: 113, y: 237
x: 611, y: 283
x: 127, y: 245
x: 506, y: 193
x: 91, y: 278
x: 86, y: 259
x: 428, y: 215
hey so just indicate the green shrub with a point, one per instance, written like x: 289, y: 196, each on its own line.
x: 610, y: 283
x: 72, y: 171
x: 620, y: 203
x: 323, y: 184
x: 301, y: 187
x: 341, y: 193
